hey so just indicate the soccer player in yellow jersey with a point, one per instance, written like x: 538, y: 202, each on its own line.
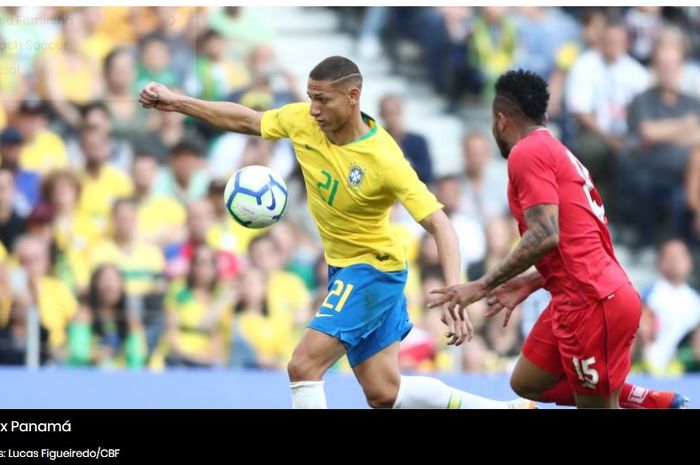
x: 354, y: 172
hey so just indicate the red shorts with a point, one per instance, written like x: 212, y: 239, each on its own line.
x: 590, y: 346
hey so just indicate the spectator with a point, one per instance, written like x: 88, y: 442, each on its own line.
x: 298, y: 253
x: 414, y: 146
x: 472, y: 242
x: 213, y: 77
x: 233, y: 151
x: 154, y: 63
x: 12, y: 225
x: 13, y: 318
x: 287, y: 296
x: 27, y: 182
x: 42, y: 149
x: 500, y: 235
x: 56, y: 304
x: 665, y: 125
x: 96, y: 44
x: 484, y: 187
x: 266, y: 334
x: 200, y: 231
x: 168, y: 131
x: 492, y: 45
x: 129, y: 120
x: 185, y: 179
x: 546, y: 45
x: 194, y: 339
x: 644, y: 24
x: 73, y: 230
x: 102, y: 182
x: 173, y: 24
x: 243, y: 28
x: 689, y: 81
x: 270, y: 84
x: 96, y: 117
x: 160, y: 219
x: 142, y: 266
x: 104, y: 333
x: 600, y: 86
x: 671, y: 307
x: 542, y: 32
x: 15, y: 84
x: 68, y: 265
x: 66, y: 76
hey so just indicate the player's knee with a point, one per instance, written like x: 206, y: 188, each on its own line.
x: 302, y: 368
x: 381, y: 398
x: 523, y: 389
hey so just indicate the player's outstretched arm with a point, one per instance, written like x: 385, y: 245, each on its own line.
x: 541, y: 237
x: 459, y: 328
x: 224, y: 115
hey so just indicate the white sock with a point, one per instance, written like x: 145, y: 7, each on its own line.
x: 308, y: 394
x: 423, y: 392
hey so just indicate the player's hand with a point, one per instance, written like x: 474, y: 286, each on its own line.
x: 459, y: 295
x: 506, y: 296
x: 459, y: 327
x: 158, y: 96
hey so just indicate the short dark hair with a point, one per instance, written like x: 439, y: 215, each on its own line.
x: 112, y: 56
x: 525, y: 90
x: 151, y: 38
x: 121, y: 201
x: 187, y: 147
x: 337, y: 69
x: 92, y: 106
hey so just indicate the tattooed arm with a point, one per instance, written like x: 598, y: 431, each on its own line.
x: 541, y: 236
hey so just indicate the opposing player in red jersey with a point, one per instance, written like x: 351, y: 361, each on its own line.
x: 578, y: 352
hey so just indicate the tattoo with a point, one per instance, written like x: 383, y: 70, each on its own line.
x: 541, y: 236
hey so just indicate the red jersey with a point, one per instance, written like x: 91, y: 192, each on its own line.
x: 583, y: 268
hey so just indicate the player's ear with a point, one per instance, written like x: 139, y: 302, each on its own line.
x: 501, y: 120
x: 354, y: 95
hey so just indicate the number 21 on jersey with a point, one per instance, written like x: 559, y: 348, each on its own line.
x: 597, y: 209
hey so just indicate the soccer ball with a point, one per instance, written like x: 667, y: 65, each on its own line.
x: 255, y: 196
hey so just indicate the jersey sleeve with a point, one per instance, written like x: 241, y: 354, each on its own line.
x: 403, y: 182
x: 281, y: 122
x: 534, y: 177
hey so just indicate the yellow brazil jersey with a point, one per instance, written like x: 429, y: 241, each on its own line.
x: 142, y: 266
x: 182, y: 301
x: 98, y: 194
x: 270, y: 337
x: 44, y: 153
x: 351, y: 188
x: 157, y: 213
x: 57, y: 307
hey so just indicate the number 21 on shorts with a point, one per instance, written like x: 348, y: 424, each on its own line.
x: 340, y: 289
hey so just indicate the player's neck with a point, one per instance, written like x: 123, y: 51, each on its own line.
x: 352, y: 130
x: 528, y: 129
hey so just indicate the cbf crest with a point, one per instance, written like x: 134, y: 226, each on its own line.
x: 356, y: 175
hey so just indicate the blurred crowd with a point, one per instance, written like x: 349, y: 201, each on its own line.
x: 112, y: 221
